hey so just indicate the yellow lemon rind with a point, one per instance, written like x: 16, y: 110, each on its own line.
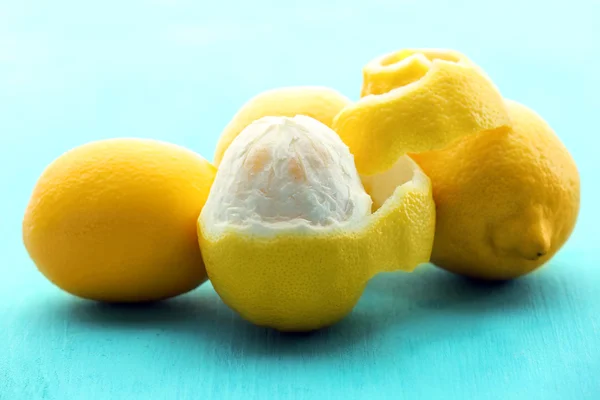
x: 284, y: 281
x: 449, y: 101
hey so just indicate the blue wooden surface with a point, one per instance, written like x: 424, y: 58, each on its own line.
x: 74, y: 71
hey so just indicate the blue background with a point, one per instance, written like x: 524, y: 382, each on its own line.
x: 72, y: 71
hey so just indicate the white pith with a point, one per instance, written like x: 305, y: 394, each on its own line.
x: 284, y: 173
x: 382, y: 186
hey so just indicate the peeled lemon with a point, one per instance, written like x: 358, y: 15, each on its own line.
x: 287, y: 233
x: 506, y: 201
x: 320, y: 103
x: 416, y: 100
x: 115, y: 220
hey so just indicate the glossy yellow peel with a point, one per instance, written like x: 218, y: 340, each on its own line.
x: 115, y: 220
x: 507, y: 201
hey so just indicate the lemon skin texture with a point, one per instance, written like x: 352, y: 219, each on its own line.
x: 290, y: 283
x: 320, y: 103
x: 417, y: 100
x: 298, y: 283
x: 115, y: 220
x: 506, y: 201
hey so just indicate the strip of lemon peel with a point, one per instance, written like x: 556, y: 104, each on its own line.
x: 408, y: 216
x: 416, y: 101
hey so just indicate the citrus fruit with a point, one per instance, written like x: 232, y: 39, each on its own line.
x: 287, y: 232
x: 416, y: 100
x: 115, y: 220
x: 320, y: 103
x: 506, y: 201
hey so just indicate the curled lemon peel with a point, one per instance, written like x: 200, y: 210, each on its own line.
x: 416, y: 101
x: 403, y: 67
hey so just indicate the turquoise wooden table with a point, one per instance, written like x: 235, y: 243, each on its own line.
x: 177, y: 70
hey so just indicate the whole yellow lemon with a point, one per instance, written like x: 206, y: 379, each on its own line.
x: 320, y: 103
x: 506, y: 201
x: 115, y: 220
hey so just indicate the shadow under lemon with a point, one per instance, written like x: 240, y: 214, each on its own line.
x: 429, y: 296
